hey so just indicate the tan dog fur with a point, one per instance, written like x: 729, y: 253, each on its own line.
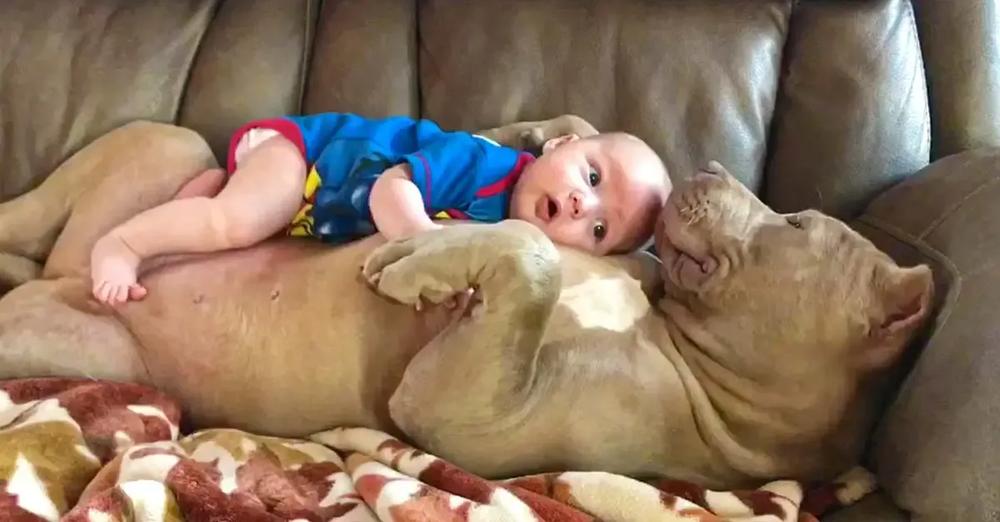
x: 758, y: 370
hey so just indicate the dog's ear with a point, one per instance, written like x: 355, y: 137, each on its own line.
x: 902, y: 301
x: 559, y: 141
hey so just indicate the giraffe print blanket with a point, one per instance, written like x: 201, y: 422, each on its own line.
x: 92, y: 451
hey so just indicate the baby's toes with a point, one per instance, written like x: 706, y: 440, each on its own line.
x: 105, y: 291
x: 121, y: 294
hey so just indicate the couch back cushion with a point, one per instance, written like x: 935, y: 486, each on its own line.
x: 819, y: 104
x: 70, y: 71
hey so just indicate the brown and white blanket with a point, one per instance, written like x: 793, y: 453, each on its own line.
x: 94, y: 451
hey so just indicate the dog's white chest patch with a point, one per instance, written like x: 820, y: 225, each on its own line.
x: 612, y: 303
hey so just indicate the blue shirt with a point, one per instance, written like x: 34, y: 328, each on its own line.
x: 459, y: 175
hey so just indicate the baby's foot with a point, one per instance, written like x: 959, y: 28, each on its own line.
x: 113, y: 268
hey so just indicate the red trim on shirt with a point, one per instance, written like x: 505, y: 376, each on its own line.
x: 505, y: 183
x: 282, y: 126
x: 454, y: 213
x: 427, y: 178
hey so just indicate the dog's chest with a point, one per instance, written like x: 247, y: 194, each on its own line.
x: 612, y: 302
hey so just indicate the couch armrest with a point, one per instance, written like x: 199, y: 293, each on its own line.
x: 937, y: 449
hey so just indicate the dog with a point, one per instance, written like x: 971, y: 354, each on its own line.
x: 749, y: 353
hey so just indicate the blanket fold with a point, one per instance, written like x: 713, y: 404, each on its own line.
x: 94, y: 451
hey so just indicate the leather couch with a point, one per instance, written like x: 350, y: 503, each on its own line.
x: 879, y: 112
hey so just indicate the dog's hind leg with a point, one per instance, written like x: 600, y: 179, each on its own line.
x: 49, y: 328
x: 127, y: 170
x: 16, y: 270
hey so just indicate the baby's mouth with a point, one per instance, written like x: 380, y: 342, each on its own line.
x: 546, y: 209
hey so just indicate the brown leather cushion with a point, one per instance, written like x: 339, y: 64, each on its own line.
x: 251, y: 64
x: 697, y: 79
x: 936, y: 452
x: 852, y: 115
x: 72, y: 71
x: 364, y: 59
x: 961, y: 45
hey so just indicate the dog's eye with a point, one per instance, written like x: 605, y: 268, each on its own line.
x: 794, y: 221
x: 595, y: 178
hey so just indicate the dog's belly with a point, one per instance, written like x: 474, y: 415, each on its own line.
x: 284, y: 351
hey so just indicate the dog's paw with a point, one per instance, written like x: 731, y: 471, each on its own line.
x: 413, y: 275
x: 384, y: 256
x: 533, y: 138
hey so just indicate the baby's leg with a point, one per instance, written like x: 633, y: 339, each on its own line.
x: 260, y: 199
x: 207, y: 184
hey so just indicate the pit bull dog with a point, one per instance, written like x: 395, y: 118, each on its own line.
x: 750, y: 353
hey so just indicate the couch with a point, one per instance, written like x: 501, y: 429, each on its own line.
x: 883, y: 113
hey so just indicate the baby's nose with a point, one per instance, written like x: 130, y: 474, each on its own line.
x: 580, y: 204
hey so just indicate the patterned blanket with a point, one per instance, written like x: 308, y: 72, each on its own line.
x: 93, y: 451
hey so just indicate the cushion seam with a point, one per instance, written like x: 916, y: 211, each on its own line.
x: 933, y: 226
x: 944, y: 314
x: 306, y: 52
x: 193, y: 63
x: 926, y: 124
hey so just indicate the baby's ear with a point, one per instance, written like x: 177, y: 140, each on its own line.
x: 561, y: 140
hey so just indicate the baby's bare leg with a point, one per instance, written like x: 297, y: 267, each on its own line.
x: 261, y: 198
x: 208, y: 184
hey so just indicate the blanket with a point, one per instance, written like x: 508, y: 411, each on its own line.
x: 94, y: 451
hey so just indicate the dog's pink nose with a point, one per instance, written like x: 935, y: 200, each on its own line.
x: 714, y: 167
x: 713, y: 174
x: 704, y: 174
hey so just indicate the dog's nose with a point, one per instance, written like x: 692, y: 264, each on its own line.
x: 706, y: 178
x: 714, y: 168
x: 713, y: 174
x: 704, y: 175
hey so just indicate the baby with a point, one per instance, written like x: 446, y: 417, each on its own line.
x: 340, y: 177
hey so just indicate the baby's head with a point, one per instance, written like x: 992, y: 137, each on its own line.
x: 601, y: 194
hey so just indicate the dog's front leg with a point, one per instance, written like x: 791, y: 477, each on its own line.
x: 477, y: 376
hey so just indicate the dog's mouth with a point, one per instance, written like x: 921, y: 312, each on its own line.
x: 687, y: 262
x: 684, y: 269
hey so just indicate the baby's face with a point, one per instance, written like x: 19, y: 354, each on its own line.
x: 599, y: 194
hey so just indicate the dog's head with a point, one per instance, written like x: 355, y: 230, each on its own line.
x: 803, y: 288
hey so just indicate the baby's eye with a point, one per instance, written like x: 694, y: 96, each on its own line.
x: 595, y: 178
x: 600, y: 230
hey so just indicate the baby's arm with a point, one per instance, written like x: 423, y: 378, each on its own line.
x: 397, y: 205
